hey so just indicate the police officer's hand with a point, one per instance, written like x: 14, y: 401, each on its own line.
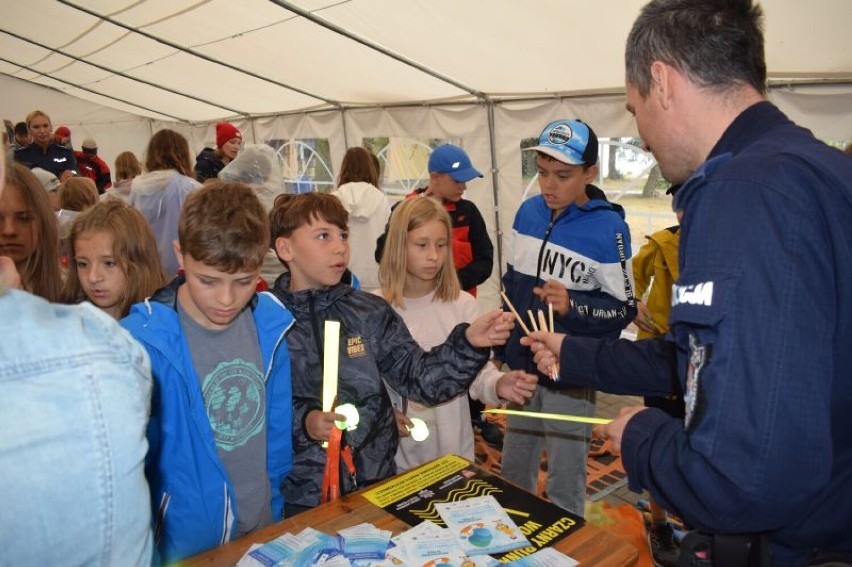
x: 615, y: 430
x: 553, y: 292
x: 545, y: 347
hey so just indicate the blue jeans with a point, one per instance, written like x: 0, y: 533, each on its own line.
x: 76, y: 391
x: 566, y: 443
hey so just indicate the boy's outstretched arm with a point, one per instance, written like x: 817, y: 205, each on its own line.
x: 490, y: 329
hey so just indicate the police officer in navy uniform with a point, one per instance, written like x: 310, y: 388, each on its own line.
x: 761, y: 320
x: 43, y: 152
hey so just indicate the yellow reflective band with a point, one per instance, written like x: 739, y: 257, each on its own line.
x: 557, y: 416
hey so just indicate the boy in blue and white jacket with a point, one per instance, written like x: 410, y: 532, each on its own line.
x: 220, y: 432
x: 571, y: 248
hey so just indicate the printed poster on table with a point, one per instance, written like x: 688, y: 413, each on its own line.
x: 412, y: 496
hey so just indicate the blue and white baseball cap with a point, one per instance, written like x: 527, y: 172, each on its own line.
x: 568, y: 141
x: 453, y: 161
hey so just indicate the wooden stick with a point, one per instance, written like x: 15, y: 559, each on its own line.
x: 554, y: 369
x: 550, y: 316
x: 533, y: 324
x: 542, y: 322
x: 515, y: 313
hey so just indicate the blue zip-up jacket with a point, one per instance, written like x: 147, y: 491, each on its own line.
x: 586, y: 249
x: 191, y: 495
x: 761, y: 341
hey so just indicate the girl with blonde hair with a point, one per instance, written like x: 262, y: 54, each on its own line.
x: 419, y: 280
x: 127, y: 168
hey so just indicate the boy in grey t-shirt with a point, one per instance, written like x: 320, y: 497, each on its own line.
x: 221, y: 425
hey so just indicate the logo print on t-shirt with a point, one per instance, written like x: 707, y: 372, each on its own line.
x: 233, y: 396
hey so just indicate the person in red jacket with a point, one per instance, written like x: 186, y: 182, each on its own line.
x: 473, y: 253
x: 91, y: 166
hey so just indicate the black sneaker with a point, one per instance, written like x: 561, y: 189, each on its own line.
x: 490, y: 433
x: 663, y: 546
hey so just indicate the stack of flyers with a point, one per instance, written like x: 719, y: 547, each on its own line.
x: 308, y: 547
x: 429, y: 545
x: 364, y: 541
x: 545, y: 557
x: 481, y: 526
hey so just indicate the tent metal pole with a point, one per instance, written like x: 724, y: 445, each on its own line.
x: 495, y: 190
x: 253, y: 130
x: 343, y: 125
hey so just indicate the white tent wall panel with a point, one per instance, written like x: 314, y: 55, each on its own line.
x: 827, y: 111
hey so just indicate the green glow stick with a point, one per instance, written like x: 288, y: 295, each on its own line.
x: 557, y: 416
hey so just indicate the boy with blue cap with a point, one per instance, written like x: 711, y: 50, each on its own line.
x: 570, y: 249
x: 450, y: 169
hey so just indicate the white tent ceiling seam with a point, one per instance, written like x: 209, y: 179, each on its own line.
x: 196, y: 53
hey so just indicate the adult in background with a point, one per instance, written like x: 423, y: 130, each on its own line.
x: 368, y: 208
x: 761, y: 318
x: 258, y: 167
x: 73, y: 447
x: 210, y: 162
x: 22, y: 136
x: 91, y: 166
x: 43, y: 152
x: 159, y: 193
x: 62, y: 137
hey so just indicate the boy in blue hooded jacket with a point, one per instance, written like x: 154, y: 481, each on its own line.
x: 221, y: 420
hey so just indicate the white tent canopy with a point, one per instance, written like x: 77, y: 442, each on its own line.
x: 484, y: 74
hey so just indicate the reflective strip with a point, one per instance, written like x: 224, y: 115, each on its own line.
x: 228, y: 519
x: 159, y: 528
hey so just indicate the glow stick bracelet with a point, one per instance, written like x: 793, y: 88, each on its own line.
x: 352, y: 417
x: 419, y: 430
x: 556, y: 416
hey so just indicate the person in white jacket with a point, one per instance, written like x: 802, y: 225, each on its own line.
x: 368, y: 208
x: 418, y: 279
x: 159, y: 193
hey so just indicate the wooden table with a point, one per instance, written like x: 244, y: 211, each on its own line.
x: 589, y: 545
